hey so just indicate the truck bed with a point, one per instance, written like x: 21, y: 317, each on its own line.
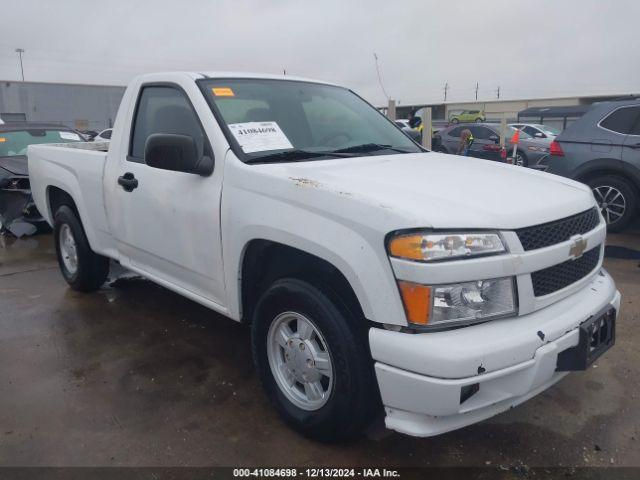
x: 77, y: 169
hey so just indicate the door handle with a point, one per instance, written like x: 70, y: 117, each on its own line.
x: 128, y: 182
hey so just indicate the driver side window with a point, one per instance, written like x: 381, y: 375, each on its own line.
x: 163, y: 109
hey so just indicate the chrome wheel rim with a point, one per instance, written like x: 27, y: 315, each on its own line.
x: 612, y: 203
x: 300, y: 361
x: 519, y: 160
x: 68, y: 249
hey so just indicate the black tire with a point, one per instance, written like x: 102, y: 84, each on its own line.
x: 455, y: 121
x: 628, y: 195
x: 92, y: 269
x: 442, y: 149
x: 523, y: 156
x: 478, y: 120
x: 354, y: 395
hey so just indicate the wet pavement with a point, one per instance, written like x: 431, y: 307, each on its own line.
x: 137, y: 375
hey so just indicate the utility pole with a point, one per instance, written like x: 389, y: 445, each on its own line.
x: 375, y: 56
x: 20, y: 51
x: 476, y: 90
x: 498, y: 93
x: 446, y: 88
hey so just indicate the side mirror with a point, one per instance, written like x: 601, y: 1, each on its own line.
x: 540, y: 135
x: 176, y: 152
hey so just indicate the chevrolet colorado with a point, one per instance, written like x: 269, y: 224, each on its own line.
x: 370, y: 271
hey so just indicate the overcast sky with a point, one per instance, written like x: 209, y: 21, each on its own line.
x: 532, y: 48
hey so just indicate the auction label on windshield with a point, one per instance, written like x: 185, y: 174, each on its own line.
x: 260, y: 136
x: 222, y: 92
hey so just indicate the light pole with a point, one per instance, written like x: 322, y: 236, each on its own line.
x: 20, y: 51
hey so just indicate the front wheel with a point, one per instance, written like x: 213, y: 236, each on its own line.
x: 478, y: 120
x: 617, y: 200
x: 313, y: 360
x: 82, y: 268
x: 454, y: 120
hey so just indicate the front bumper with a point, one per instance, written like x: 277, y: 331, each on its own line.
x: 422, y: 377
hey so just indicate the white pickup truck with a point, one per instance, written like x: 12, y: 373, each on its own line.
x: 371, y: 272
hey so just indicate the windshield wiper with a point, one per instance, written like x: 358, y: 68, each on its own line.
x: 295, y: 155
x: 370, y: 147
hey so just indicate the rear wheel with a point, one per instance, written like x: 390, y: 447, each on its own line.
x: 82, y: 268
x: 478, y: 120
x: 313, y: 360
x: 617, y: 200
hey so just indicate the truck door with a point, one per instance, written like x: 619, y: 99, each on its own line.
x: 167, y: 222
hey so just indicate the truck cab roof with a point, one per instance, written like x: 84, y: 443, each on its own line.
x: 228, y: 74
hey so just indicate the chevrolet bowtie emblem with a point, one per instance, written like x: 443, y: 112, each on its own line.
x: 578, y: 247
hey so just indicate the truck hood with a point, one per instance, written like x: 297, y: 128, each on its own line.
x: 435, y: 190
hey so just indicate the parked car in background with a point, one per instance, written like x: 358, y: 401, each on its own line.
x: 18, y: 213
x: 476, y: 116
x: 537, y: 130
x: 412, y: 133
x: 486, y: 143
x: 104, y: 135
x: 602, y: 149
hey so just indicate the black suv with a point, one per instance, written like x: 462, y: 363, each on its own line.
x: 602, y: 149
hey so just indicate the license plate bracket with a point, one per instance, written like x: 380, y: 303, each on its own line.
x: 597, y: 335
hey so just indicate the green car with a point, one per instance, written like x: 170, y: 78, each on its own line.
x: 467, y: 116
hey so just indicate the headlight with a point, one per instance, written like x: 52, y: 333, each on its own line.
x: 467, y: 302
x: 426, y: 247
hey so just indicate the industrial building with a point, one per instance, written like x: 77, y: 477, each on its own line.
x: 83, y: 107
x: 525, y: 110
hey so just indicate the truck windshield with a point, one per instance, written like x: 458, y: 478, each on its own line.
x: 15, y: 142
x: 286, y: 120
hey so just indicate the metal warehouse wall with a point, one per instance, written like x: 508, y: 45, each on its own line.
x: 78, y: 106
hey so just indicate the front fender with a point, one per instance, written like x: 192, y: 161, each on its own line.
x: 359, y: 256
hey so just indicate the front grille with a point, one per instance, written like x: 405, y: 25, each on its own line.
x: 546, y: 234
x: 554, y: 278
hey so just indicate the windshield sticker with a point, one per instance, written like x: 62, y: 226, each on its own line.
x: 223, y: 92
x: 69, y: 136
x: 260, y: 136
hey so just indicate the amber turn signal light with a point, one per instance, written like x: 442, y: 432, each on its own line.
x: 417, y: 300
x: 407, y: 246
